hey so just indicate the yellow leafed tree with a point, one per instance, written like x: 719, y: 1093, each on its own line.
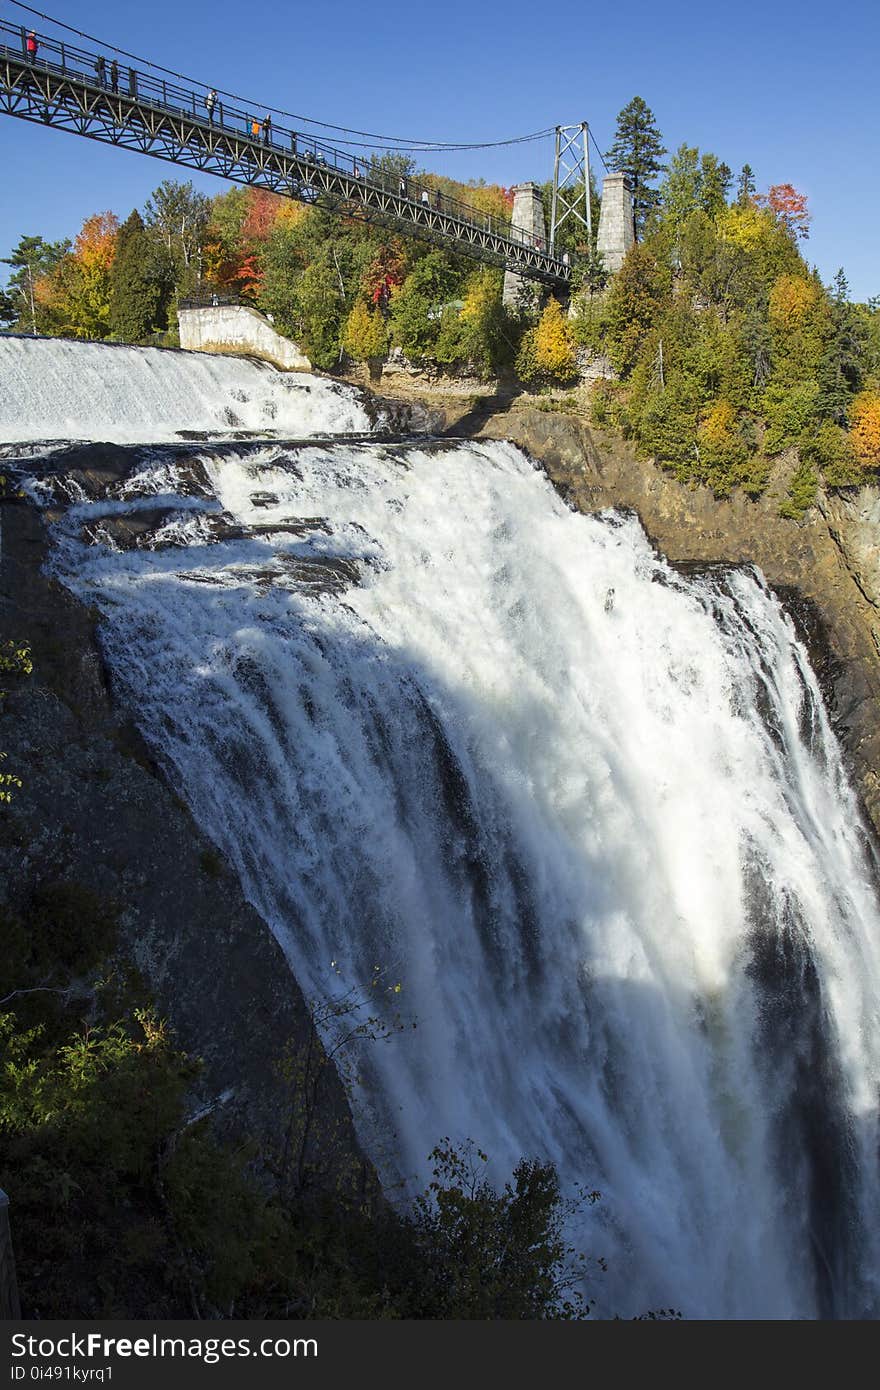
x: 365, y: 337
x: 547, y: 351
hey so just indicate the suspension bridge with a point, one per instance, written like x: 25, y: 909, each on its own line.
x: 47, y: 81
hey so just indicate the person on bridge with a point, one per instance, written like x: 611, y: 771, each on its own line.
x: 114, y: 76
x: 210, y: 103
x: 101, y: 69
x: 426, y: 202
x: 267, y: 128
x: 32, y: 46
x: 401, y: 187
x: 255, y: 128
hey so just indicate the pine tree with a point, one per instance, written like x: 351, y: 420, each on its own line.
x: 135, y: 290
x: 637, y: 152
x: 840, y: 373
x: 715, y: 180
x: 746, y: 186
x: 31, y: 260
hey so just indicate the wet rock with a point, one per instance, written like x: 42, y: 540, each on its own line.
x: 95, y: 810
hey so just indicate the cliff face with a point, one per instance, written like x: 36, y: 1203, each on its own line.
x: 825, y: 567
x: 95, y: 812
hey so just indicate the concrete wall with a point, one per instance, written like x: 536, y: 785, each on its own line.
x: 237, y: 329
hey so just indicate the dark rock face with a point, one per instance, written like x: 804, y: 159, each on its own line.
x: 825, y: 568
x: 94, y: 810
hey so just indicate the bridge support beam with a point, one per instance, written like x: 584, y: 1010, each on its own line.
x: 616, y: 234
x: 529, y: 226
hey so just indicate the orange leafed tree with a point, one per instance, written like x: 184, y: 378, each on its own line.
x: 77, y: 292
x: 865, y: 435
x: 789, y: 207
x: 262, y: 213
x: 95, y: 246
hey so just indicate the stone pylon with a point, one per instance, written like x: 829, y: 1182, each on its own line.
x: 528, y: 215
x: 616, y: 234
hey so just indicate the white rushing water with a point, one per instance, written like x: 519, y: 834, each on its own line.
x: 54, y: 389
x: 589, y: 812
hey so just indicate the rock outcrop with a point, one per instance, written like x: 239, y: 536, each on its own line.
x: 95, y: 811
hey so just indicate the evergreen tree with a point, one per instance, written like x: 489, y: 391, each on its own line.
x: 840, y: 372
x: 637, y: 152
x: 746, y: 186
x: 135, y: 289
x: 715, y: 180
x: 32, y: 258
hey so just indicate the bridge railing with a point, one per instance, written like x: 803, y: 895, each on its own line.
x: 115, y: 77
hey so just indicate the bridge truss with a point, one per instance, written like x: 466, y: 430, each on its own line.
x: 79, y: 91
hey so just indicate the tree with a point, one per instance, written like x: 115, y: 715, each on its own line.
x: 77, y: 291
x: 865, y: 432
x: 365, y: 337
x: 745, y: 186
x: 488, y: 1254
x: 135, y: 285
x: 633, y: 307
x: 178, y: 217
x: 637, y: 152
x: 715, y: 180
x: 841, y: 370
x: 789, y: 208
x: 546, y: 355
x: 416, y: 307
x: 679, y: 193
x: 389, y: 168
x: 31, y: 260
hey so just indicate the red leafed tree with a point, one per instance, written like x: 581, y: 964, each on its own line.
x: 384, y: 273
x: 788, y: 207
x: 263, y: 209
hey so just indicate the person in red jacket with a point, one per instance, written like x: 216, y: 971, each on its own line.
x: 32, y: 46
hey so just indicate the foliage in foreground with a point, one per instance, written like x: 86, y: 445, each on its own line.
x: 126, y: 1206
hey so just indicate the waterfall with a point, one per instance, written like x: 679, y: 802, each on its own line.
x: 54, y: 389
x: 588, y: 811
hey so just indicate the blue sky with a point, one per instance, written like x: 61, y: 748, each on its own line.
x: 790, y: 88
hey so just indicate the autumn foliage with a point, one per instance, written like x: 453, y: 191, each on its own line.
x: 789, y: 207
x: 865, y: 432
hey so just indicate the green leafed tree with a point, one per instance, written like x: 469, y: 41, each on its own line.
x: 746, y: 188
x: 638, y: 152
x: 715, y: 180
x: 32, y: 258
x: 841, y: 369
x: 135, y: 284
x: 178, y: 217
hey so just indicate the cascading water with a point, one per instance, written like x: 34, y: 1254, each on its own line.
x: 588, y: 811
x: 51, y: 389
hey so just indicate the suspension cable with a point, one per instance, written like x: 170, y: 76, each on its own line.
x: 401, y: 144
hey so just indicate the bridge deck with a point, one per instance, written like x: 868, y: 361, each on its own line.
x: 68, y: 88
